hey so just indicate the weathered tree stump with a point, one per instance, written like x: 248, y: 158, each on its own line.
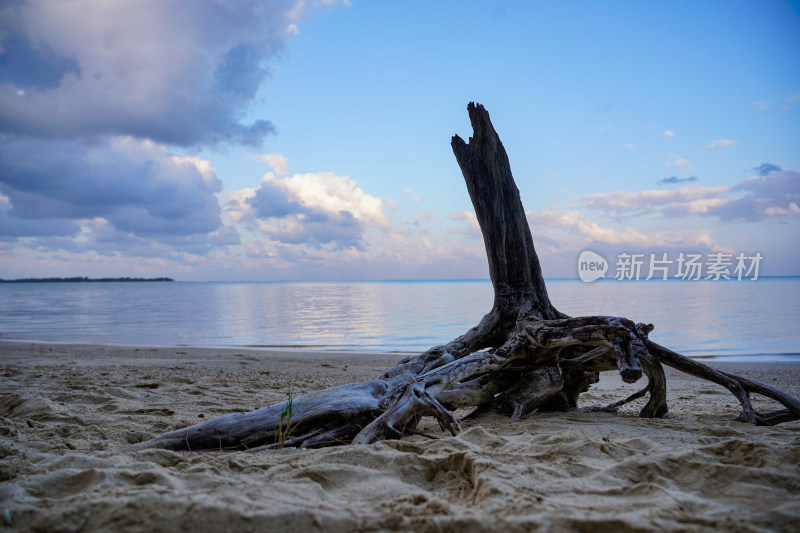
x: 523, y: 356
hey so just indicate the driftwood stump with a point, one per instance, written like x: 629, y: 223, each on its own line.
x: 523, y: 356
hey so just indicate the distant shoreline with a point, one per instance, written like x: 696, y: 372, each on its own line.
x: 361, y: 281
x: 81, y: 280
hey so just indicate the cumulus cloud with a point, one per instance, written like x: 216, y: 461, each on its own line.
x: 315, y: 208
x: 327, y: 192
x: 758, y: 197
x: 341, y: 230
x: 236, y: 206
x: 388, y: 255
x: 177, y: 72
x: 91, y: 95
x: 676, y: 179
x: 135, y: 185
x: 721, y: 143
x: 12, y: 227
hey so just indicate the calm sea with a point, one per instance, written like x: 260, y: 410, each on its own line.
x: 732, y: 319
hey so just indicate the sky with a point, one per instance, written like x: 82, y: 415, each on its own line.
x: 310, y: 139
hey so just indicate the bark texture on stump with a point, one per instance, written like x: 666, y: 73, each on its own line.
x: 523, y: 356
x: 513, y: 264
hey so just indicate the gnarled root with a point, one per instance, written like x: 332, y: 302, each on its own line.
x: 531, y: 392
x: 523, y: 356
x: 414, y: 403
x: 543, y: 365
x: 739, y: 386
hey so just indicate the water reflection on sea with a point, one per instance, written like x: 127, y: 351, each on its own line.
x: 754, y: 319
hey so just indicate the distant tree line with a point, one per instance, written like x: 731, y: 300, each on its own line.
x: 78, y: 279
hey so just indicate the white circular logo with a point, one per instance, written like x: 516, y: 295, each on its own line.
x: 591, y: 266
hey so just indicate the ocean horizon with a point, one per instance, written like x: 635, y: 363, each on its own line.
x: 732, y: 320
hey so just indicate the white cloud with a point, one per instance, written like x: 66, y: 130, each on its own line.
x: 764, y: 105
x: 757, y: 197
x: 327, y: 192
x: 792, y: 210
x: 678, y: 163
x: 468, y: 217
x: 650, y: 200
x: 467, y: 224
x: 92, y: 93
x: 629, y: 147
x: 425, y: 216
x: 236, y: 206
x: 721, y: 143
x: 393, y: 253
x: 546, y: 226
x: 278, y: 162
x: 301, y: 8
x: 669, y: 133
x: 559, y: 218
x: 314, y: 208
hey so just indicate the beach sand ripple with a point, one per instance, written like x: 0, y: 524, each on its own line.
x: 68, y: 414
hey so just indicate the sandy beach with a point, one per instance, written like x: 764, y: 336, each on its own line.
x: 68, y: 414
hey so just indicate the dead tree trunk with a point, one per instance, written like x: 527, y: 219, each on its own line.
x: 523, y: 356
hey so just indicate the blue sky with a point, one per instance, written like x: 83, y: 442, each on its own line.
x: 311, y: 140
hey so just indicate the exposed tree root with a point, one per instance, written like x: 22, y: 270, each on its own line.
x: 523, y: 356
